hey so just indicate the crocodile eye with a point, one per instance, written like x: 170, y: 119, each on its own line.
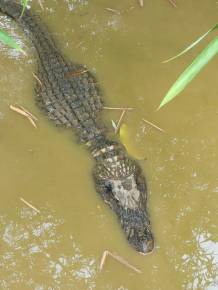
x: 108, y: 187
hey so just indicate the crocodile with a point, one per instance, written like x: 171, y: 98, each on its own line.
x: 69, y: 95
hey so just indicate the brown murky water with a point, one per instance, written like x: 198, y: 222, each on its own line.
x: 61, y: 247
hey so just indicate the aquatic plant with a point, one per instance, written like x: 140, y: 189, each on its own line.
x: 24, y: 5
x: 194, y: 68
x: 8, y: 40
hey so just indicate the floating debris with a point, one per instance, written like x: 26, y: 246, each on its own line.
x: 119, y: 109
x: 30, y: 205
x: 120, y: 121
x: 153, y: 125
x: 113, y: 10
x: 114, y: 125
x: 40, y: 4
x: 130, y: 8
x: 128, y: 141
x: 29, y: 113
x: 76, y: 73
x: 24, y: 112
x: 117, y: 258
x: 80, y: 43
x: 38, y: 80
x: 173, y: 3
x: 141, y: 3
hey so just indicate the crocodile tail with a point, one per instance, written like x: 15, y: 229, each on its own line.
x: 81, y: 97
x: 11, y: 8
x: 28, y: 21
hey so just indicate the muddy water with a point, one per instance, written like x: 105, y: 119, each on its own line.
x: 61, y: 247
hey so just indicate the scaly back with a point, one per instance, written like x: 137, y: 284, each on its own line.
x: 67, y: 92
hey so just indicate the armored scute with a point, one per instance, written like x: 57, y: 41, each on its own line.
x: 68, y: 93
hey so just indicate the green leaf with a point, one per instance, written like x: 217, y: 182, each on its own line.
x: 191, y: 71
x: 192, y: 45
x: 24, y: 5
x: 8, y: 40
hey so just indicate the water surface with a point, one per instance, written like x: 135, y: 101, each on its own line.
x: 61, y: 247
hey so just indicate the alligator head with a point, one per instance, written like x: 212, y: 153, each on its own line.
x: 122, y: 185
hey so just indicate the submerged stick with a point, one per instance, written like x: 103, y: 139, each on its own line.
x: 153, y: 125
x: 119, y: 109
x: 117, y: 258
x: 30, y: 205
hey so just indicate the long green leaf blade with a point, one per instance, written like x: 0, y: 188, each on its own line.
x: 8, y: 40
x: 191, y: 45
x: 191, y: 71
x: 24, y: 5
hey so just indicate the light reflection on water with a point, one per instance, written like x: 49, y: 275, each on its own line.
x: 201, y: 264
x: 28, y: 245
x: 11, y: 28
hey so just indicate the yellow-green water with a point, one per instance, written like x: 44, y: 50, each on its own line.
x: 61, y: 247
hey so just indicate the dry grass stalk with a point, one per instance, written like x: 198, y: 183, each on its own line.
x: 173, y: 3
x: 22, y: 111
x: 76, y: 73
x: 30, y: 114
x: 153, y: 125
x: 113, y: 10
x: 32, y: 122
x: 114, y: 125
x: 30, y: 205
x: 38, y: 80
x: 130, y: 8
x: 40, y: 4
x: 120, y: 121
x: 117, y: 258
x: 80, y: 43
x: 141, y: 3
x: 119, y: 109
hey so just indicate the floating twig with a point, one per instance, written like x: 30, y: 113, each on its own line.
x: 40, y: 4
x: 120, y: 121
x: 22, y: 111
x: 173, y: 3
x: 32, y: 122
x: 113, y: 10
x: 117, y: 258
x: 75, y: 73
x: 80, y: 43
x: 130, y: 8
x: 38, y: 80
x: 153, y: 125
x: 30, y: 205
x: 119, y: 109
x: 114, y: 125
x: 30, y: 114
x: 141, y: 3
x: 103, y: 259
